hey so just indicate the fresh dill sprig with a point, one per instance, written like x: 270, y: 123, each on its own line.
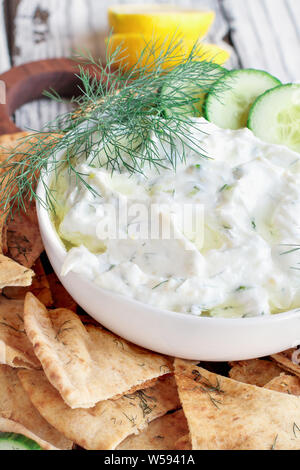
x: 119, y: 124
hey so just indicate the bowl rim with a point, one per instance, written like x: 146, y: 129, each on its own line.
x: 49, y: 231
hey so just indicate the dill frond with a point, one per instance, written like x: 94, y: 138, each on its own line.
x: 119, y: 123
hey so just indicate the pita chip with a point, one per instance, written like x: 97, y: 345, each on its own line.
x: 16, y: 406
x: 40, y: 287
x: 184, y: 443
x: 106, y: 425
x: 21, y: 236
x: 87, y: 364
x: 7, y: 143
x: 13, y: 274
x: 285, y: 384
x: 255, y: 371
x: 161, y: 434
x: 289, y: 360
x: 223, y: 414
x: 23, y: 239
x: 15, y: 348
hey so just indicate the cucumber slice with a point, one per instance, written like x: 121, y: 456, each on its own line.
x: 275, y: 116
x: 187, y: 97
x: 228, y: 103
x: 11, y: 441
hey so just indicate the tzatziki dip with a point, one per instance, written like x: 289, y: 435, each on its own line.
x: 247, y: 262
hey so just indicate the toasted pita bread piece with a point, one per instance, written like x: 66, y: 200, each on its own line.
x: 107, y: 424
x: 184, y: 443
x: 161, y: 434
x: 285, y: 384
x: 40, y: 287
x: 7, y: 425
x: 255, y: 371
x: 24, y: 243
x: 15, y: 405
x: 87, y: 365
x: 7, y: 143
x: 13, y: 274
x: 61, y: 298
x: 15, y: 348
x: 289, y: 360
x: 223, y: 414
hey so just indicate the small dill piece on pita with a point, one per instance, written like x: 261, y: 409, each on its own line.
x: 275, y: 442
x: 121, y: 106
x: 143, y: 401
x: 208, y: 387
x: 62, y: 329
x: 296, y: 430
x: 12, y: 328
x: 131, y: 419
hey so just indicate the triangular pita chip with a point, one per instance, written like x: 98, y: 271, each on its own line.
x: 23, y: 239
x: 15, y: 348
x: 7, y: 143
x: 16, y: 406
x: 106, y: 425
x: 289, y: 360
x: 87, y: 365
x: 13, y: 274
x: 40, y: 287
x: 223, y: 414
x: 285, y: 384
x: 161, y: 434
x: 255, y: 371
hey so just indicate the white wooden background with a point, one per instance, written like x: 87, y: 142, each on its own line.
x: 264, y: 34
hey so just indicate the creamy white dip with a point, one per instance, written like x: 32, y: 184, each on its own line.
x: 251, y: 196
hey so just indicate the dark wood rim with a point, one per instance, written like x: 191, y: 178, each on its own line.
x: 27, y: 82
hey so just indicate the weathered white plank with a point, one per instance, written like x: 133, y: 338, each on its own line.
x: 266, y: 35
x: 54, y: 28
x: 4, y: 56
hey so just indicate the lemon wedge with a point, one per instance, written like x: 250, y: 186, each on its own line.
x: 160, y: 19
x: 134, y: 48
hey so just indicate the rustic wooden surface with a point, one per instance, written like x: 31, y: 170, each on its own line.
x: 264, y: 34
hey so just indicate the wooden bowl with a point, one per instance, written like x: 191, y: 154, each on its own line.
x: 27, y: 83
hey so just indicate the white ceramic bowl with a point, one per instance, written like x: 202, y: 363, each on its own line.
x: 175, y: 334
